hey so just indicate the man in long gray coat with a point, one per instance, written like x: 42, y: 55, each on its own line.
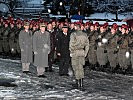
x: 41, y: 48
x: 25, y: 42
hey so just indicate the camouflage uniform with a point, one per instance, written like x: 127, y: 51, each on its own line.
x: 78, y: 46
x: 92, y: 57
x: 131, y: 47
x: 17, y: 40
x: 5, y: 43
x: 101, y: 50
x: 112, y: 50
x: 123, y: 48
x: 12, y: 40
x: 1, y: 40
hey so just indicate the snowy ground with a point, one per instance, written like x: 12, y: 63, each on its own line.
x: 98, y: 85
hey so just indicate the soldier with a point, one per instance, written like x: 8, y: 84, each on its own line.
x: 52, y: 46
x: 71, y: 28
x: 19, y: 28
x: 97, y: 27
x: 25, y: 42
x: 5, y: 37
x: 1, y: 40
x: 101, y: 48
x: 41, y: 48
x: 112, y: 48
x: 92, y: 36
x: 78, y: 46
x: 63, y: 51
x: 123, y: 54
x: 131, y: 45
x: 12, y: 39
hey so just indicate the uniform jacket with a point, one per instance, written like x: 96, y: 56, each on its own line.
x: 25, y: 43
x: 41, y: 45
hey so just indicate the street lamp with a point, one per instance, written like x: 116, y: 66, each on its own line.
x: 49, y: 11
x: 61, y: 3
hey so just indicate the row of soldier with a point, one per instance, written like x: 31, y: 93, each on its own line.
x: 109, y: 46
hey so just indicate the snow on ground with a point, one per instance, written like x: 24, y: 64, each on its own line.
x: 98, y: 85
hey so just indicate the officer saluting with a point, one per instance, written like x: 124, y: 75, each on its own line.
x: 25, y: 42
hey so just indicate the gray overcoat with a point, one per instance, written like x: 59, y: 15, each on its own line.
x: 41, y: 48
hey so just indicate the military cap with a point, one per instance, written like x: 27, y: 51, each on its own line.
x: 96, y: 24
x: 26, y: 23
x: 102, y: 26
x: 42, y: 25
x: 92, y: 25
x: 125, y: 27
x: 6, y: 22
x: 12, y: 22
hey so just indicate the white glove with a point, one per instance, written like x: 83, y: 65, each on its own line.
x: 46, y: 46
x: 99, y: 44
x: 12, y: 49
x: 22, y: 49
x: 35, y: 53
x: 104, y: 40
x: 99, y: 36
x: 127, y: 54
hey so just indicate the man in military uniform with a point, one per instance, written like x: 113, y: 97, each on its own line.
x: 12, y: 38
x: 19, y: 28
x: 112, y: 48
x: 63, y: 51
x: 131, y: 45
x: 25, y: 42
x: 92, y: 36
x: 41, y: 48
x: 123, y: 54
x: 5, y: 36
x: 78, y: 46
x: 101, y: 48
x: 1, y: 40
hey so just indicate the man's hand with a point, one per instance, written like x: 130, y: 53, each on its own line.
x: 22, y: 49
x: 58, y: 54
x: 35, y: 53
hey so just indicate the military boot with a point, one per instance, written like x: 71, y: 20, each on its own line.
x: 81, y: 85
x: 76, y: 85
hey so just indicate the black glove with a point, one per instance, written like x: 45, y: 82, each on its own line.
x: 105, y: 51
x: 115, y: 52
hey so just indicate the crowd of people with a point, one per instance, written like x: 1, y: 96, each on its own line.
x: 73, y: 44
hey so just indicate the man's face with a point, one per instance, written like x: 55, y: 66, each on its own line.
x: 72, y: 26
x: 49, y: 27
x: 26, y: 27
x: 6, y: 25
x: 123, y: 30
x: 92, y: 28
x: 113, y: 31
x: 12, y: 25
x: 65, y: 30
x: 42, y: 29
x: 102, y: 29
